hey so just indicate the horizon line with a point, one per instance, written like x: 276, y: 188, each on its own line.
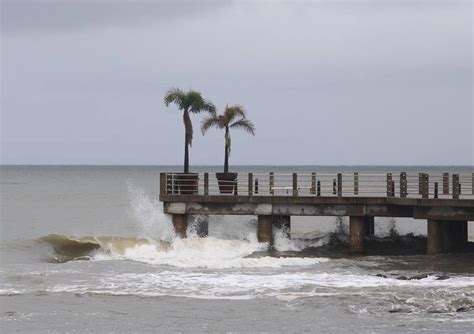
x: 250, y: 165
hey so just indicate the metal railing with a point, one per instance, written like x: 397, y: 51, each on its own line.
x: 411, y: 185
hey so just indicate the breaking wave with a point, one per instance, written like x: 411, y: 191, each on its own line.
x: 208, y: 252
x: 232, y: 243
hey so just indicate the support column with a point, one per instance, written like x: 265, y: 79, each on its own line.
x: 357, y: 233
x: 283, y: 223
x: 434, y: 241
x: 264, y: 229
x: 180, y: 224
x: 369, y: 226
x: 446, y: 236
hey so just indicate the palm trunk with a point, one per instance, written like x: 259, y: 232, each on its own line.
x: 186, y: 153
x: 226, y: 160
x: 186, y: 141
x: 226, y: 154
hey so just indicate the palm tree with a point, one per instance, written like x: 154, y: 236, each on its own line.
x: 234, y: 117
x: 188, y: 102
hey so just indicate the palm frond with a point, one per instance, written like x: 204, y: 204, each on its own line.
x: 191, y: 101
x: 244, y: 124
x: 196, y: 103
x: 233, y: 112
x: 200, y: 105
x: 211, y: 121
x: 175, y: 95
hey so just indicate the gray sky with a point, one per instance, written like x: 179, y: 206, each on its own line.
x: 325, y: 82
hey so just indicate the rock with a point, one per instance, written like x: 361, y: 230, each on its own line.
x: 380, y: 275
x: 399, y: 310
x: 421, y: 276
x: 403, y: 278
x: 462, y: 309
x: 442, y: 277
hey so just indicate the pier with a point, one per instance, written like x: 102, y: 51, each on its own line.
x: 444, y: 200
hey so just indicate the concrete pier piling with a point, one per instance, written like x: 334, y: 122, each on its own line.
x: 180, y: 224
x: 446, y: 236
x: 264, y: 229
x: 434, y: 242
x: 357, y: 233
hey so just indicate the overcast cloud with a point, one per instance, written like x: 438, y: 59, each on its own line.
x: 325, y: 82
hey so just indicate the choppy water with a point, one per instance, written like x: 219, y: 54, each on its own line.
x: 89, y: 249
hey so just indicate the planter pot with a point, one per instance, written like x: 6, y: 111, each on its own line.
x: 187, y: 183
x: 227, y: 183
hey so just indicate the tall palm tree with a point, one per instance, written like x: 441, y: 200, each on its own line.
x: 234, y: 117
x: 188, y: 102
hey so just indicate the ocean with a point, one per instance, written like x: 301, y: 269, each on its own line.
x: 89, y: 249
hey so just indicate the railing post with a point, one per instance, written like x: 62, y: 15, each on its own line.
x: 313, y: 184
x: 425, y: 189
x: 339, y: 184
x: 318, y: 191
x: 420, y: 183
x: 456, y: 186
x: 334, y: 186
x: 250, y: 184
x: 389, y: 185
x: 236, y: 187
x: 445, y: 183
x: 206, y: 184
x: 256, y: 186
x: 356, y: 183
x: 436, y: 190
x: 272, y: 183
x: 472, y: 184
x: 163, y: 184
x: 295, y: 184
x: 403, y: 184
x: 174, y: 183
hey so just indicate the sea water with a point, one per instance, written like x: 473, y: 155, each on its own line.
x: 89, y: 249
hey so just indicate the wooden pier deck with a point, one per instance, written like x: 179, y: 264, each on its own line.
x: 445, y: 200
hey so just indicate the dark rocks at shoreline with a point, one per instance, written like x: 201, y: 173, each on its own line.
x: 462, y: 309
x: 399, y: 310
x: 415, y: 277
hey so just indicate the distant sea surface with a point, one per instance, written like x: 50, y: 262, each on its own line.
x: 89, y: 249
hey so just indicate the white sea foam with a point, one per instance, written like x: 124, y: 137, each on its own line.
x: 250, y: 284
x: 287, y: 286
x: 205, y: 253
